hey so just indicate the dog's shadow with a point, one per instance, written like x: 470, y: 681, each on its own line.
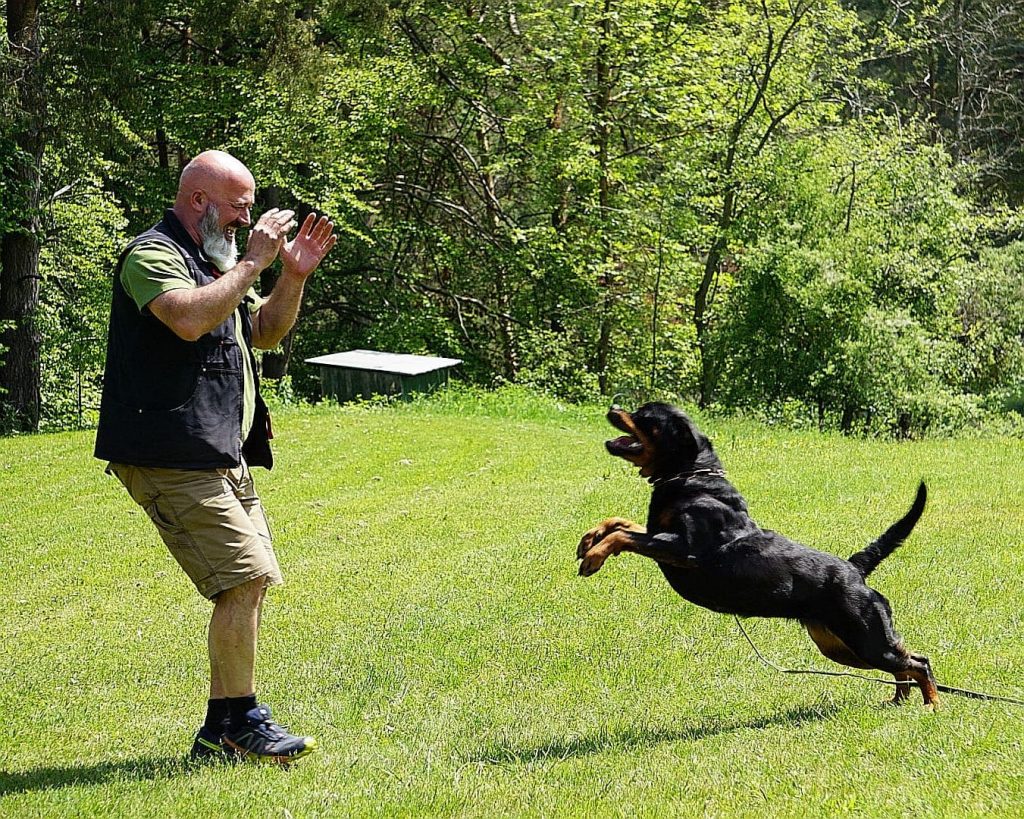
x: 144, y: 769
x: 631, y: 738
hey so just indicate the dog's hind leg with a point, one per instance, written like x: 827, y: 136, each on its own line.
x: 902, y: 691
x: 904, y: 666
x: 837, y: 651
x: 871, y: 637
x: 831, y: 646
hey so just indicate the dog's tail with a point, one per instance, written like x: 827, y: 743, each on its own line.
x: 868, y: 559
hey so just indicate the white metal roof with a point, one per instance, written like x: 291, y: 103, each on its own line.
x: 400, y: 363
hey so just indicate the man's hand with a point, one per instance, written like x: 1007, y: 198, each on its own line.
x: 314, y: 240
x: 267, y: 237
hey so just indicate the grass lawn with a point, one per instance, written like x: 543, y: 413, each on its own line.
x: 434, y: 636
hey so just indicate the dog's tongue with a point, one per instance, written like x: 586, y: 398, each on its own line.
x: 624, y: 440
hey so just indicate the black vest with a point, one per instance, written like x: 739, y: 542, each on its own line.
x: 173, y: 403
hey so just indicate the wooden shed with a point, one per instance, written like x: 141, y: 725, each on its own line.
x: 365, y: 373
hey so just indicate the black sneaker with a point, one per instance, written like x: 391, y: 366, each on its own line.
x: 208, y: 745
x: 263, y: 740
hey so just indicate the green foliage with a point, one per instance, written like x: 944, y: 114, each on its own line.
x: 991, y: 309
x: 86, y: 233
x: 710, y: 201
x: 848, y: 303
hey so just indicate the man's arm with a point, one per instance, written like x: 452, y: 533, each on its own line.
x: 299, y: 258
x: 191, y: 313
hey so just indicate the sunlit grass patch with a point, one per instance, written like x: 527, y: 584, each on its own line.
x: 434, y: 636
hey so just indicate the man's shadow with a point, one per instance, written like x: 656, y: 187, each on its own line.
x: 632, y: 738
x: 141, y: 769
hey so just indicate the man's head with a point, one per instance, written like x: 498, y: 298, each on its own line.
x: 215, y: 195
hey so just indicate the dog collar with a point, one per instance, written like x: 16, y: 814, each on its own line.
x: 685, y: 476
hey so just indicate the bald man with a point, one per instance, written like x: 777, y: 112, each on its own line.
x: 182, y: 421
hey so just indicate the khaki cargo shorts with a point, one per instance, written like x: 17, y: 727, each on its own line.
x: 211, y: 520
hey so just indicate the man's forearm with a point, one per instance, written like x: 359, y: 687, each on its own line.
x: 191, y: 313
x: 278, y: 313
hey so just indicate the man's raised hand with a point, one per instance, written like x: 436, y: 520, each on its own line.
x: 314, y: 240
x: 267, y: 237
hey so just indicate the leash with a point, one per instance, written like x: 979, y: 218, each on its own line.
x: 946, y: 689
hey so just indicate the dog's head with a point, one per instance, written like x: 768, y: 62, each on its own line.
x: 661, y: 440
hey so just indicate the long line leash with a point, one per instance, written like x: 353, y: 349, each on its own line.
x: 947, y: 689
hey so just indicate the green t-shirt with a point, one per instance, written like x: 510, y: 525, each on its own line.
x: 154, y: 267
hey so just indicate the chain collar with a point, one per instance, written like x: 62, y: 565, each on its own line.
x: 685, y: 476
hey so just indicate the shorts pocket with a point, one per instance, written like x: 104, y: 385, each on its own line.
x: 169, y: 528
x: 153, y: 503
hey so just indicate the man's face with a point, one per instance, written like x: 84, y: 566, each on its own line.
x: 228, y: 208
x: 218, y: 241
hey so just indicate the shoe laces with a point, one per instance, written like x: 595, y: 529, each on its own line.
x: 272, y: 730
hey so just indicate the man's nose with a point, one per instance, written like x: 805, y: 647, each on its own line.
x: 244, y: 217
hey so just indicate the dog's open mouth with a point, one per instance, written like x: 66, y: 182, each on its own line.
x: 629, y: 445
x: 624, y: 445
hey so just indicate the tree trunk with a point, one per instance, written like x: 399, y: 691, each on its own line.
x: 603, y: 140
x: 274, y: 363
x: 19, y: 242
x: 703, y: 297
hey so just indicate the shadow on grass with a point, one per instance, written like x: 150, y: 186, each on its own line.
x: 633, y: 737
x: 132, y: 770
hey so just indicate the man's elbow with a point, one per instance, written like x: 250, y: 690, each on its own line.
x: 263, y: 342
x: 186, y: 330
x: 263, y: 335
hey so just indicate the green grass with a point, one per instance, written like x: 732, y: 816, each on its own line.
x: 434, y: 636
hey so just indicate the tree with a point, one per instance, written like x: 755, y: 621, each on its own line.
x: 957, y: 66
x: 21, y: 153
x: 771, y: 70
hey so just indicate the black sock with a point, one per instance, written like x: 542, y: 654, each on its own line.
x: 238, y: 706
x: 217, y: 714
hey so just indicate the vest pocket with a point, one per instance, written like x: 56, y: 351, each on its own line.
x: 204, y: 431
x: 224, y: 356
x: 173, y: 390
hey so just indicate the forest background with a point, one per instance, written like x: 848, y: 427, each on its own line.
x: 806, y: 210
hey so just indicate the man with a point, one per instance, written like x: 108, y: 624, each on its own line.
x: 181, y: 418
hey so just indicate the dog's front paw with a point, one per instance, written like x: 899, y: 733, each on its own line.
x: 601, y: 531
x: 588, y: 541
x: 594, y: 559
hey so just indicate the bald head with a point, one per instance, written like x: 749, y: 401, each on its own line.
x: 214, y: 179
x: 212, y: 168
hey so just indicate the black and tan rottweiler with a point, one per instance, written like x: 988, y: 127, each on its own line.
x: 713, y: 554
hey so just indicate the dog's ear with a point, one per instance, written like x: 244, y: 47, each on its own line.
x: 676, y: 433
x: 685, y: 437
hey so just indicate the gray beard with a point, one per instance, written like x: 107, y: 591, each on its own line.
x: 219, y: 248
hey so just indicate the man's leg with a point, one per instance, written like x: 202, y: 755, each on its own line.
x: 234, y: 628
x: 214, y: 526
x: 231, y: 643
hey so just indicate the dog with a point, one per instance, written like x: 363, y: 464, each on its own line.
x: 714, y: 555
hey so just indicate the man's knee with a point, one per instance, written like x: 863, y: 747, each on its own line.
x: 249, y: 593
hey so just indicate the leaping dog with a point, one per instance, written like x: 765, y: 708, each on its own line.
x: 713, y: 554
